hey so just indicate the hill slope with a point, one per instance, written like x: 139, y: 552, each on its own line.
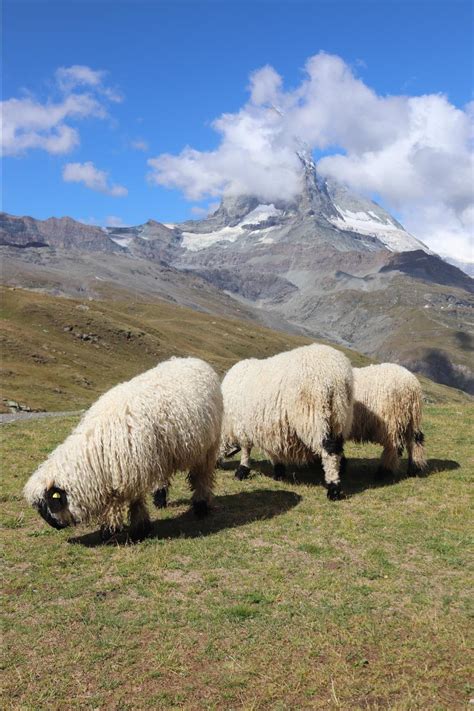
x: 60, y: 354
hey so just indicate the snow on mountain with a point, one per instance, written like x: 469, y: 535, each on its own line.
x: 122, y: 242
x: 261, y: 214
x: 253, y: 222
x: 196, y: 242
x: 394, y: 237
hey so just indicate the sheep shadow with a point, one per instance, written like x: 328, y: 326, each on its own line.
x: 228, y: 511
x: 360, y: 474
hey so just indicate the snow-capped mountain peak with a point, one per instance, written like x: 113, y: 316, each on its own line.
x: 324, y: 211
x: 258, y: 223
x: 390, y: 233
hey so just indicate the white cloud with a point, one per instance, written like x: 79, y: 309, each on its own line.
x: 32, y: 124
x: 198, y: 211
x: 69, y: 78
x: 114, y: 221
x: 92, y: 178
x: 446, y: 232
x: 29, y: 124
x: 79, y: 75
x: 265, y: 85
x: 413, y: 151
x: 140, y: 145
x: 109, y: 221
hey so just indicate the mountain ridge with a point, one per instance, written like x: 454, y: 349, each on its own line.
x: 326, y: 263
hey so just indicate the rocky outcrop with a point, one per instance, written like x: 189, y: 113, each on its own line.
x: 62, y: 233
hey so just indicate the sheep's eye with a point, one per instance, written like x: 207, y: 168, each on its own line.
x: 57, y: 499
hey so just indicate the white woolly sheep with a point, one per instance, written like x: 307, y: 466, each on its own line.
x: 387, y: 411
x: 132, y: 440
x: 293, y: 406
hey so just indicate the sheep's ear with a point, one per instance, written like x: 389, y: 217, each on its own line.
x: 56, y: 498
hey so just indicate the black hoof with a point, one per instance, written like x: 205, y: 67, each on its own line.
x: 200, y: 508
x: 242, y: 472
x: 160, y: 498
x: 335, y: 493
x: 279, y: 471
x: 140, y: 531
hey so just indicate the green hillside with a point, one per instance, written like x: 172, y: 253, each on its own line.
x: 60, y: 354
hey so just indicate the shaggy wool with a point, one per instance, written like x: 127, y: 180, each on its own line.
x: 132, y: 440
x: 293, y: 406
x: 388, y: 404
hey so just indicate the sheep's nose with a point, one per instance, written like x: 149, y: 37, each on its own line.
x: 46, y: 515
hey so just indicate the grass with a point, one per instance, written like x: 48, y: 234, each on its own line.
x: 47, y: 363
x: 278, y: 600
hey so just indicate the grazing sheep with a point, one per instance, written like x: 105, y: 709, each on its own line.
x: 387, y: 411
x: 129, y: 442
x: 292, y: 406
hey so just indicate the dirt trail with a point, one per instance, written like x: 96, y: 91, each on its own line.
x: 7, y: 418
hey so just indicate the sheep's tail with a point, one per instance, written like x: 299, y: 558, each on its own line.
x: 415, y: 440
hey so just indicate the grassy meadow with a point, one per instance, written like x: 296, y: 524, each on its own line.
x: 280, y: 599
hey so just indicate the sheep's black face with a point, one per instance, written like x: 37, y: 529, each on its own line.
x: 53, y: 507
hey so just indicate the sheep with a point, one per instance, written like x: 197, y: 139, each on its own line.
x: 387, y: 411
x: 294, y: 406
x: 132, y: 439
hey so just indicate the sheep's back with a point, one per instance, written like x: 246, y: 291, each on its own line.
x: 141, y: 431
x: 266, y: 400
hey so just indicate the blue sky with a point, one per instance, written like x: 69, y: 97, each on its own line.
x: 177, y: 66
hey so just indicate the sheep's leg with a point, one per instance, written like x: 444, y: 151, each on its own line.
x: 112, y: 521
x: 416, y: 453
x: 343, y: 464
x: 332, y: 453
x: 140, y: 524
x: 201, y: 480
x: 389, y: 461
x: 160, y: 498
x: 243, y: 470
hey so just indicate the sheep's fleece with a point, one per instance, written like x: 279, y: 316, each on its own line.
x: 131, y: 441
x: 293, y: 406
x: 388, y: 410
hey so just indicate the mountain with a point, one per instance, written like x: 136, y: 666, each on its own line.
x: 327, y: 263
x: 467, y: 267
x: 66, y: 258
x: 60, y: 233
